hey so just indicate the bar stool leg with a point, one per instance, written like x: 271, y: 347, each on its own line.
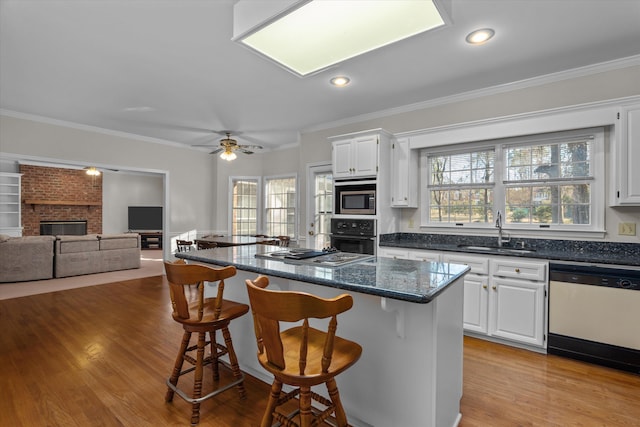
x: 177, y: 368
x: 197, y: 385
x: 233, y: 360
x: 306, y: 416
x: 334, y: 395
x: 214, y: 355
x: 274, y: 395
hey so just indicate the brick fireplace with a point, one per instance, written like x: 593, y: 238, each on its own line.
x: 57, y: 194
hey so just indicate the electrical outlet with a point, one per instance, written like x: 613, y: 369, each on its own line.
x: 627, y: 229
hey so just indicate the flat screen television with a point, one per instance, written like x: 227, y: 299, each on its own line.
x: 145, y: 218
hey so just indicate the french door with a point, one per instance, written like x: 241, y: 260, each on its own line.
x: 319, y: 205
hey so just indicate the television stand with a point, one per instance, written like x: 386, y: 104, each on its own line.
x: 150, y: 240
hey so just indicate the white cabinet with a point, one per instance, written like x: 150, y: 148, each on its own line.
x: 10, y: 208
x: 427, y: 256
x: 504, y: 298
x: 517, y: 310
x: 413, y: 254
x: 627, y: 156
x: 393, y: 253
x: 404, y: 175
x: 355, y: 157
x: 476, y: 295
x: 476, y: 303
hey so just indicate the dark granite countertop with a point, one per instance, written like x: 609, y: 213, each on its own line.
x: 405, y: 280
x: 623, y: 254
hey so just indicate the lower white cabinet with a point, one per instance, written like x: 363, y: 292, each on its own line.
x: 504, y: 298
x: 517, y: 310
x: 476, y: 303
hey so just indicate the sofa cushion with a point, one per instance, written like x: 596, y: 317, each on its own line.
x: 75, y: 244
x: 118, y: 241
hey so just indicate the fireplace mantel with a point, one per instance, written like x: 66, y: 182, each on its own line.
x: 34, y: 202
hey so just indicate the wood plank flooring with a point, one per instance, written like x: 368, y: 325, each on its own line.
x: 99, y: 356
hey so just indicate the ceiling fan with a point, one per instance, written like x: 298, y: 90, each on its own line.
x: 229, y: 146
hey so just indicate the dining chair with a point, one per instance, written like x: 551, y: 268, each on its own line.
x: 184, y: 245
x: 203, y: 316
x: 301, y: 356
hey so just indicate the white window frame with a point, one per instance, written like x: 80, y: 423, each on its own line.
x: 297, y: 200
x: 258, y: 180
x: 598, y: 184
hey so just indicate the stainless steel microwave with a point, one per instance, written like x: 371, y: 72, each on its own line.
x: 358, y: 202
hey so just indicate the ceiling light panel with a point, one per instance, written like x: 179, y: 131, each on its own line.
x: 320, y: 33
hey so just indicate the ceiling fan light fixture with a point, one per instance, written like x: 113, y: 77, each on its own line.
x: 228, y: 155
x: 307, y: 36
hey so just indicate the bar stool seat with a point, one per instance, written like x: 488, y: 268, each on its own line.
x: 203, y: 316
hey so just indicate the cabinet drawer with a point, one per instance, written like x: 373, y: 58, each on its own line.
x: 530, y: 270
x: 478, y: 265
x: 424, y: 256
x: 393, y: 253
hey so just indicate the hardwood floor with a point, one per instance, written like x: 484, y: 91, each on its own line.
x: 99, y: 356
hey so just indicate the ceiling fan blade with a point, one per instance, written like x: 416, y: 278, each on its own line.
x: 216, y: 151
x: 245, y: 151
x: 251, y: 147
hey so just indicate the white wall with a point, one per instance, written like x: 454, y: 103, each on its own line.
x: 123, y: 189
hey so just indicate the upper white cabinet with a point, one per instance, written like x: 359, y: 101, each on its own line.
x: 355, y: 157
x: 404, y: 175
x: 627, y: 156
x: 10, y: 208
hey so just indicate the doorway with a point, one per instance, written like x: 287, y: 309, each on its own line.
x: 319, y: 205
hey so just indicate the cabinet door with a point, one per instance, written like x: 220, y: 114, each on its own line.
x: 476, y: 290
x: 365, y: 156
x: 516, y: 310
x: 342, y: 159
x: 628, y: 156
x: 404, y: 175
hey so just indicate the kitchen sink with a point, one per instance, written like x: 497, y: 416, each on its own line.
x: 497, y: 249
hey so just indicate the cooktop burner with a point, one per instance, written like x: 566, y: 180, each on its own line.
x: 330, y: 258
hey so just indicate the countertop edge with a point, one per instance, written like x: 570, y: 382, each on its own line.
x: 384, y: 293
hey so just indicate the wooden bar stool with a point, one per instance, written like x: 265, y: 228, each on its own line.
x: 202, y: 316
x: 301, y: 356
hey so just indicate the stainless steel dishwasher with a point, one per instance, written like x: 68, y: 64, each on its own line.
x: 594, y: 314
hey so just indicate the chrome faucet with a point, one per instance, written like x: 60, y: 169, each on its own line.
x: 499, y: 227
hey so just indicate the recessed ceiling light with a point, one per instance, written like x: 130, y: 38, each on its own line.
x: 310, y: 36
x: 480, y: 36
x: 340, y: 81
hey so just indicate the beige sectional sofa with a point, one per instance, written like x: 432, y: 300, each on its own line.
x: 26, y: 258
x: 76, y: 255
x: 45, y: 257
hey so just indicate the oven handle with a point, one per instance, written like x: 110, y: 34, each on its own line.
x: 347, y: 237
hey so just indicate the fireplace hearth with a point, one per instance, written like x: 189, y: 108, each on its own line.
x: 53, y: 228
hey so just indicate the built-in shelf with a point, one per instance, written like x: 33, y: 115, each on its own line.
x: 34, y: 202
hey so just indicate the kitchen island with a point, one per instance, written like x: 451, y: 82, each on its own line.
x: 407, y: 315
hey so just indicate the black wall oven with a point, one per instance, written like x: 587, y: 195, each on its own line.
x: 354, y: 235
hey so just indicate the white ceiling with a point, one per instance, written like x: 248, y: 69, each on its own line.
x: 168, y: 69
